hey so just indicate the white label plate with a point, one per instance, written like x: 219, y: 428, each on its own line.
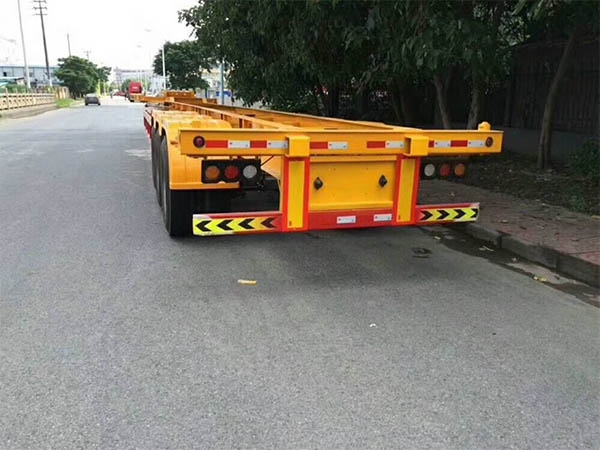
x: 277, y: 144
x: 342, y: 220
x: 337, y: 145
x: 475, y: 144
x: 238, y: 144
x: 382, y: 218
x: 394, y: 144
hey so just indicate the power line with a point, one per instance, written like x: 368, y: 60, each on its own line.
x: 42, y: 10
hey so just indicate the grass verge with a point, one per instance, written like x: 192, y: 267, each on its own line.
x: 64, y: 102
x: 517, y: 175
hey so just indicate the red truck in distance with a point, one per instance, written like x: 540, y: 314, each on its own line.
x: 135, y: 87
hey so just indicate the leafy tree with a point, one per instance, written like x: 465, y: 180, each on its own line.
x: 488, y: 32
x: 183, y: 62
x: 103, y: 74
x: 567, y: 19
x: 288, y: 53
x: 78, y: 74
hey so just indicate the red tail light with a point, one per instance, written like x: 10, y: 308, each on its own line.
x: 232, y: 173
x: 445, y: 170
x: 199, y: 142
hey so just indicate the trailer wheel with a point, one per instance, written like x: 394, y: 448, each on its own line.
x: 155, y: 147
x: 176, y: 205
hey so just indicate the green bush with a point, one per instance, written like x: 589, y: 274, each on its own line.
x: 14, y: 89
x: 585, y: 161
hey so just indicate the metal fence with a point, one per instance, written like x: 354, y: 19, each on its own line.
x: 15, y: 101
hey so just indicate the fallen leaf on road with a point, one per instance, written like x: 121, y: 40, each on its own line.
x: 250, y: 282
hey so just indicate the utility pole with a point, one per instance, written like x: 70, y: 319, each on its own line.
x: 69, y: 44
x: 42, y: 9
x: 27, y: 80
x: 87, y: 54
x: 164, y: 71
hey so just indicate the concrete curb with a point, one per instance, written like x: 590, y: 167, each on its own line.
x: 26, y: 112
x: 564, y: 263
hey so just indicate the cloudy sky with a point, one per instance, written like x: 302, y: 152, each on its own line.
x: 113, y: 31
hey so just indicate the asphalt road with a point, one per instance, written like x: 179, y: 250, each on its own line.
x: 114, y: 336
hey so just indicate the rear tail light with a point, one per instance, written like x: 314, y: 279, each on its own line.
x: 246, y: 171
x: 199, y: 142
x: 452, y: 168
x: 460, y: 169
x: 212, y: 173
x: 429, y: 170
x: 445, y: 170
x: 232, y: 173
x: 250, y: 171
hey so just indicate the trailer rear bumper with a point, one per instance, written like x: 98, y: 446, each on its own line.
x: 274, y: 222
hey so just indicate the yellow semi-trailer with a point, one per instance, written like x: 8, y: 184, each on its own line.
x: 329, y: 173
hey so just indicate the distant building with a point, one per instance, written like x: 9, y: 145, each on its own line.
x: 213, y: 78
x: 37, y: 74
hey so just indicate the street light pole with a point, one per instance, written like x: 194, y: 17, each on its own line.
x: 27, y: 81
x: 164, y: 71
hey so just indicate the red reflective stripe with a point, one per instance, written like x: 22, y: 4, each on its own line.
x: 319, y: 145
x: 258, y: 144
x: 217, y: 144
x: 431, y: 144
x: 375, y: 144
x: 459, y: 143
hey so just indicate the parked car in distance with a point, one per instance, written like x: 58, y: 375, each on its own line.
x: 91, y: 98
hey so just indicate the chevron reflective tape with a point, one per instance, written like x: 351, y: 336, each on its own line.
x: 458, y: 214
x: 204, y: 225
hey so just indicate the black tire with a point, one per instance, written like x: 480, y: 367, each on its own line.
x: 154, y: 147
x: 176, y: 205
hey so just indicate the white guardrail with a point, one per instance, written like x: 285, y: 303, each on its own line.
x: 14, y: 101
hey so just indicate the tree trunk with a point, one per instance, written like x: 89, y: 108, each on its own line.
x: 508, y: 102
x: 334, y: 101
x: 363, y: 103
x: 543, y: 159
x: 475, y: 108
x: 441, y: 90
x: 324, y: 100
x: 406, y: 109
x: 396, y: 104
